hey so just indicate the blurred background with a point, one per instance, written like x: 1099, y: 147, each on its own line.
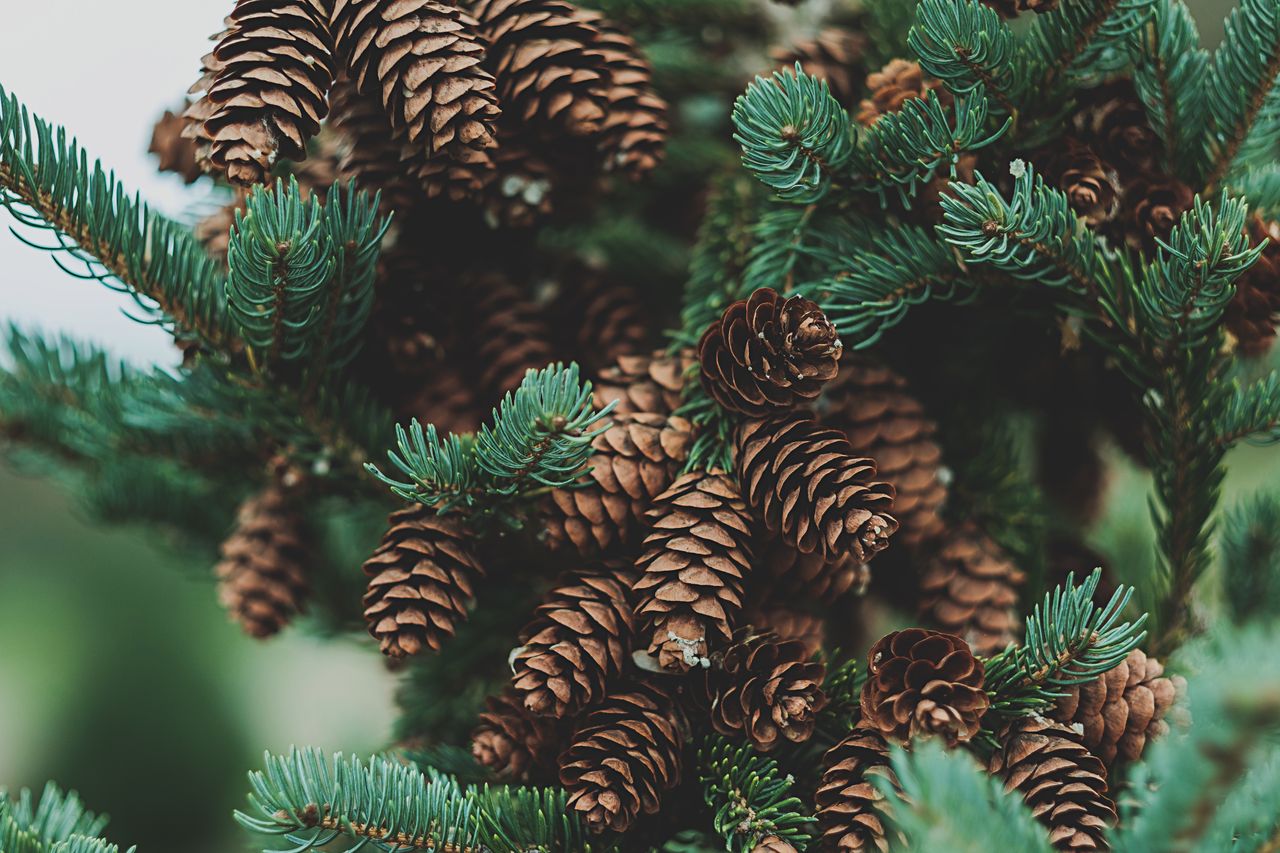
x: 119, y: 674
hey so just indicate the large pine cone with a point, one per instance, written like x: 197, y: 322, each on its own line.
x: 275, y: 66
x: 882, y: 420
x: 634, y: 132
x: 516, y: 745
x: 695, y: 559
x: 1254, y: 311
x: 809, y: 486
x: 200, y: 107
x: 834, y: 55
x: 850, y: 809
x: 767, y: 353
x: 624, y: 757
x: 1122, y: 709
x: 635, y: 460
x: 765, y: 689
x: 970, y: 588
x: 579, y: 638
x: 1064, y: 784
x: 421, y: 582
x: 652, y: 384
x: 894, y: 85
x: 262, y: 577
x: 922, y: 683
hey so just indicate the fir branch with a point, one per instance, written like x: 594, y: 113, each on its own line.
x: 47, y: 184
x: 529, y: 820
x: 1251, y: 558
x: 1259, y: 185
x: 967, y: 46
x: 442, y: 472
x: 1243, y: 98
x: 1251, y: 413
x: 56, y: 823
x: 792, y: 246
x: 1077, y: 39
x: 888, y: 23
x: 1168, y: 75
x: 749, y: 799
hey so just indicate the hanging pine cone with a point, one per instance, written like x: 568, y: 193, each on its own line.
x: 969, y: 587
x: 881, y: 419
x: 850, y: 809
x: 175, y: 152
x: 787, y: 574
x: 368, y: 154
x: 1091, y: 185
x: 765, y: 690
x: 516, y: 745
x: 201, y: 107
x: 767, y: 353
x: 636, y: 458
x: 692, y: 568
x: 1153, y: 204
x: 1122, y: 709
x: 624, y: 757
x: 276, y: 66
x: 894, y: 85
x: 923, y: 683
x: 809, y: 486
x: 508, y: 331
x: 1113, y: 119
x: 579, y: 638
x: 601, y: 320
x: 1254, y: 311
x: 421, y: 580
x: 633, y: 134
x: 790, y: 623
x: 1011, y: 8
x: 652, y: 384
x: 1064, y: 784
x: 834, y: 55
x: 262, y: 577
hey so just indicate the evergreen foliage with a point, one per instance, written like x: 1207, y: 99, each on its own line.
x: 749, y: 797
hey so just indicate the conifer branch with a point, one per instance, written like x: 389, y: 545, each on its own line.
x: 1168, y: 74
x: 1251, y: 558
x: 1243, y: 98
x: 55, y: 822
x: 1072, y: 39
x: 1251, y: 413
x: 967, y: 46
x: 749, y: 798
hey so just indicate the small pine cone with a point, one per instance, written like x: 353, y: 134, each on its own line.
x: 923, y: 683
x: 1114, y: 121
x: 695, y: 558
x: 579, y: 638
x: 635, y: 460
x: 651, y: 384
x: 1152, y: 206
x: 509, y: 333
x: 1061, y: 780
x: 1123, y: 708
x: 881, y: 419
x: 262, y: 577
x: 268, y: 97
x: 788, y: 623
x: 850, y: 809
x: 513, y: 743
x: 765, y: 689
x: 624, y: 757
x: 600, y: 320
x: 368, y: 153
x: 894, y: 85
x: 634, y: 132
x: 1254, y: 311
x: 1091, y: 185
x: 970, y: 587
x: 810, y: 487
x: 1011, y: 8
x: 176, y: 152
x: 793, y: 575
x: 767, y: 353
x: 834, y: 55
x: 421, y: 580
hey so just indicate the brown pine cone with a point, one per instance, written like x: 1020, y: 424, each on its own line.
x: 507, y: 330
x: 850, y: 809
x: 268, y: 98
x: 652, y: 384
x: 765, y: 689
x: 923, y: 683
x: 876, y: 411
x: 785, y: 574
x: 1153, y: 204
x: 810, y: 487
x: 1113, y: 120
x: 1254, y: 311
x: 773, y: 844
x: 421, y: 580
x: 1011, y: 8
x: 1064, y: 784
x: 367, y: 151
x: 262, y: 577
x: 600, y: 320
x: 635, y: 460
x: 789, y: 623
x: 175, y: 152
x: 201, y: 107
x: 513, y: 743
x: 1091, y: 185
x: 624, y: 757
x: 695, y: 558
x: 1123, y: 708
x: 579, y: 638
x: 834, y: 55
x: 633, y: 134
x: 767, y: 353
x: 969, y: 587
x: 894, y: 85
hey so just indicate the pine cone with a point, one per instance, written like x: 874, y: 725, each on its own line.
x: 368, y: 153
x: 881, y: 419
x: 850, y: 809
x: 923, y: 682
x: 513, y: 743
x: 579, y: 638
x: 200, y: 107
x: 262, y: 578
x: 767, y: 353
x: 834, y: 55
x: 1153, y: 205
x: 1011, y: 8
x: 601, y: 321
x: 970, y: 588
x: 1123, y: 708
x: 276, y: 66
x: 636, y: 459
x: 765, y: 689
x: 894, y: 85
x: 509, y: 333
x: 789, y: 623
x: 420, y: 581
x: 692, y: 568
x: 624, y: 757
x: 773, y: 844
x: 1064, y: 784
x: 1091, y: 185
x: 176, y: 153
x: 1112, y: 118
x: 634, y: 132
x: 1254, y: 311
x: 807, y: 484
x: 652, y: 384
x: 787, y: 574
